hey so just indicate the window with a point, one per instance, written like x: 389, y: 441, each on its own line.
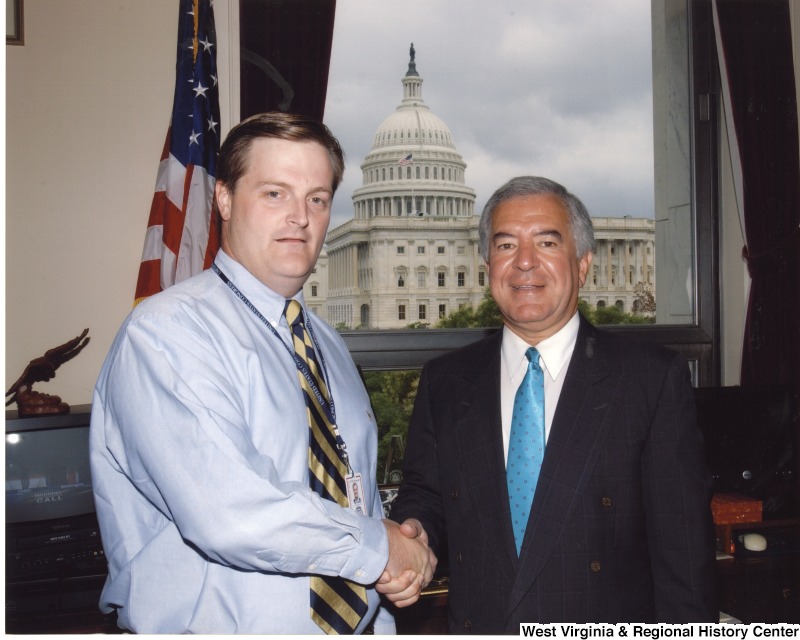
x: 421, y: 279
x: 442, y: 311
x: 400, y: 250
x: 462, y: 250
x: 462, y: 278
x: 313, y: 290
x: 422, y: 311
x: 682, y: 78
x: 421, y: 249
x: 401, y: 312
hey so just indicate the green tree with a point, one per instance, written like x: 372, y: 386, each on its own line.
x: 392, y: 395
x: 612, y: 315
x: 587, y: 311
x: 645, y: 296
x: 486, y: 315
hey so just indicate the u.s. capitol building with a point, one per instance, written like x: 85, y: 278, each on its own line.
x: 410, y: 253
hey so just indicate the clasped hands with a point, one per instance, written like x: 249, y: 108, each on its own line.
x: 411, y: 563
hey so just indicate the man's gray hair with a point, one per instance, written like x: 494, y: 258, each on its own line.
x: 579, y: 221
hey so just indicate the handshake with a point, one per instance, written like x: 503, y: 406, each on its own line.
x: 411, y: 563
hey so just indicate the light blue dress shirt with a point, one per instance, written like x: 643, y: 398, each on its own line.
x: 200, y: 467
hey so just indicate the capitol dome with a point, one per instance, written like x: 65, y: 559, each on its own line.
x: 413, y: 167
x: 414, y: 123
x: 409, y: 255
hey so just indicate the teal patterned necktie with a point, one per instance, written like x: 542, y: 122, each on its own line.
x: 525, y: 445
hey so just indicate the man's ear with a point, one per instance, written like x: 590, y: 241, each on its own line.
x: 583, y: 267
x: 223, y: 196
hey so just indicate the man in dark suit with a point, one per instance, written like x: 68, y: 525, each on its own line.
x: 620, y: 527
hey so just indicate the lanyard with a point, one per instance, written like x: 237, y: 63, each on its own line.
x: 301, y: 366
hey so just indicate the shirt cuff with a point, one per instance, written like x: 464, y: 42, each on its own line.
x: 367, y: 563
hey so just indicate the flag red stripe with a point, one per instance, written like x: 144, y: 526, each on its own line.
x: 174, y: 218
x: 214, y: 236
x: 149, y: 281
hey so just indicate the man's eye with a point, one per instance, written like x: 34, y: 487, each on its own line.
x: 318, y: 200
x: 273, y: 194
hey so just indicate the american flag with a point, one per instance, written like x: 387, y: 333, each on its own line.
x: 407, y: 160
x: 182, y: 237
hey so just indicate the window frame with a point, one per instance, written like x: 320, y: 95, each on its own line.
x: 698, y: 342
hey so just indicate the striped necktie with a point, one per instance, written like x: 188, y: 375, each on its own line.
x: 337, y: 605
x: 525, y: 445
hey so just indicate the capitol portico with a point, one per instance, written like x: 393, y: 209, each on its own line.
x: 624, y: 257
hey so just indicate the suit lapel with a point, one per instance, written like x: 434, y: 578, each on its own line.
x: 480, y: 444
x: 576, y: 435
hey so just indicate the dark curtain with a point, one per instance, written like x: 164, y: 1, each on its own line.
x: 757, y: 47
x: 285, y: 48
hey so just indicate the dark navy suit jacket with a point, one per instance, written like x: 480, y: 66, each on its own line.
x: 620, y: 527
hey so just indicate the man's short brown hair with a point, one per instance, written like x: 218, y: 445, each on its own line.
x: 233, y: 156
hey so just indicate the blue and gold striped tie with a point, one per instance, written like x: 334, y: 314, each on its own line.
x: 337, y: 605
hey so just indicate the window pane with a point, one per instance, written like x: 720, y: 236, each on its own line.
x: 392, y: 396
x: 609, y: 120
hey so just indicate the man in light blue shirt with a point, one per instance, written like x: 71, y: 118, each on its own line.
x: 200, y: 433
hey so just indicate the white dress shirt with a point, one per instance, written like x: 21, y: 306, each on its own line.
x: 555, y: 354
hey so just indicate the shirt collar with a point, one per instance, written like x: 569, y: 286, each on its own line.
x: 268, y: 302
x: 554, y: 351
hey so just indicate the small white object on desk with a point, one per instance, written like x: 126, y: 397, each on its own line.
x: 753, y: 541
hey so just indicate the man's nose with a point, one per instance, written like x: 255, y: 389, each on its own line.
x: 527, y: 257
x: 297, y: 212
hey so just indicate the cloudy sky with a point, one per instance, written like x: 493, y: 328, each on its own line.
x: 559, y: 88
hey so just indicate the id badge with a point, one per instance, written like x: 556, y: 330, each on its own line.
x: 355, y: 493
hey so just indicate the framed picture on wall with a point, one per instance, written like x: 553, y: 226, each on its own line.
x: 14, y: 24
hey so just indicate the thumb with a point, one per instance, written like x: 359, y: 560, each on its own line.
x: 412, y: 528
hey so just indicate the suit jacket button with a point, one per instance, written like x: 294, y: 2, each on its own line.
x: 454, y: 494
x: 606, y: 501
x: 595, y: 566
x: 458, y: 557
x: 467, y: 623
